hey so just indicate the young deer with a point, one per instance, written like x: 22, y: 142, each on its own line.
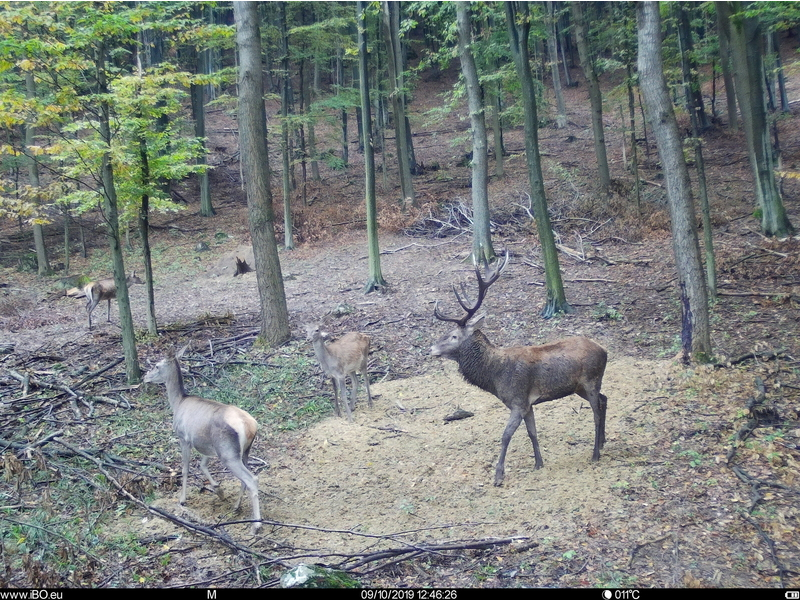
x: 104, y: 289
x: 211, y: 428
x: 348, y: 355
x: 524, y: 376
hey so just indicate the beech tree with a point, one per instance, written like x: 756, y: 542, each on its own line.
x: 695, y: 333
x: 255, y: 159
x: 518, y: 24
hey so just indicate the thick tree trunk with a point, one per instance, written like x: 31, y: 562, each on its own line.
x: 518, y: 26
x: 375, y: 280
x: 745, y: 37
x: 694, y: 300
x: 255, y: 159
x: 691, y: 87
x: 595, y: 97
x: 481, y: 233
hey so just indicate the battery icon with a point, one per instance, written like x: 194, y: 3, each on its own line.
x: 792, y: 595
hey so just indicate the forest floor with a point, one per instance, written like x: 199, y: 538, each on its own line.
x: 698, y: 482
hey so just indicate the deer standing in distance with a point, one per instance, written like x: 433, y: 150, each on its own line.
x: 346, y: 356
x: 104, y: 289
x: 211, y: 428
x: 523, y: 376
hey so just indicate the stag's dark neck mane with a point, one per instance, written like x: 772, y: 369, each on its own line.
x: 476, y: 361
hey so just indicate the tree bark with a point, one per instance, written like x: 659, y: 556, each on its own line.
x: 288, y: 238
x: 745, y: 35
x: 255, y: 159
x: 42, y: 261
x: 694, y: 300
x: 111, y: 215
x: 552, y: 50
x: 595, y: 97
x: 198, y: 95
x: 481, y: 234
x: 375, y: 280
x: 518, y: 24
x: 723, y: 31
x: 391, y: 36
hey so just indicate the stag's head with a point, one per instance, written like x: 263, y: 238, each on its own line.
x: 449, y: 344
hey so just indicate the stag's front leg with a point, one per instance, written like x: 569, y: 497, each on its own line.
x: 513, y: 423
x: 530, y: 425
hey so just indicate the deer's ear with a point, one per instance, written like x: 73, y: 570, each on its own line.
x: 182, y: 351
x: 476, y: 323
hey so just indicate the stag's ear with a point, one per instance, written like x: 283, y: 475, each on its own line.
x: 475, y: 324
x: 182, y: 351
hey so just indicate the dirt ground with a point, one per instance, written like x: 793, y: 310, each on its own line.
x: 663, y: 507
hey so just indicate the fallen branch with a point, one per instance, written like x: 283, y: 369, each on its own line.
x: 763, y: 355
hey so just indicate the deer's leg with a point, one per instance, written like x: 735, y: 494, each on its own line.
x: 250, y: 482
x: 108, y: 312
x: 513, y: 423
x: 354, y: 379
x: 336, y: 398
x: 366, y: 385
x: 186, y: 455
x: 598, y: 404
x: 340, y: 383
x: 530, y: 425
x: 204, y: 468
x: 90, y: 305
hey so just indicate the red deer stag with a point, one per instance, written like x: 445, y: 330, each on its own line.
x: 104, y: 289
x: 211, y: 428
x: 524, y: 376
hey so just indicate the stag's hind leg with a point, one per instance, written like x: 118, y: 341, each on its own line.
x: 598, y: 403
x: 530, y: 425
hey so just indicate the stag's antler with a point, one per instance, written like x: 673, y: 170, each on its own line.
x: 483, y: 285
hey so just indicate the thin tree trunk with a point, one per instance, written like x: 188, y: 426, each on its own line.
x: 42, y: 261
x: 518, y: 25
x: 552, y: 43
x: 253, y: 139
x: 391, y: 36
x: 723, y: 30
x: 481, y: 233
x: 694, y: 300
x: 111, y: 215
x: 375, y: 280
x: 198, y: 95
x: 288, y: 237
x: 595, y: 97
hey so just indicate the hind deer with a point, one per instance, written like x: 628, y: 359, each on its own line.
x: 104, y: 289
x: 523, y: 376
x: 211, y: 428
x: 346, y: 356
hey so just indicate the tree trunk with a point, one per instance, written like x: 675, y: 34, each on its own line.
x: 691, y: 87
x: 42, y: 261
x: 391, y: 36
x: 111, y: 215
x: 481, y: 233
x: 518, y: 30
x: 253, y: 140
x: 745, y: 38
x: 552, y: 50
x: 723, y: 31
x: 694, y: 300
x: 198, y: 95
x: 288, y: 238
x: 375, y: 280
x: 595, y: 97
